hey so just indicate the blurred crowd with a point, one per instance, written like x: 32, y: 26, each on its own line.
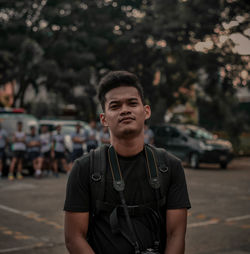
x: 46, y: 153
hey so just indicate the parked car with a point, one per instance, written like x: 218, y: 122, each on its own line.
x: 183, y: 143
x: 217, y: 150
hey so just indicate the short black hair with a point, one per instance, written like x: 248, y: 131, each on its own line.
x: 116, y: 79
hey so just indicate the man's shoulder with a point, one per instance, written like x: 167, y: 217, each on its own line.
x: 169, y: 157
x: 83, y: 160
x: 95, y: 154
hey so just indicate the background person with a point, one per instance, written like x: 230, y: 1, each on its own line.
x: 148, y: 135
x: 45, y: 156
x: 104, y: 135
x: 3, y: 143
x: 122, y: 101
x: 92, y: 136
x: 33, y: 149
x: 19, y: 149
x: 78, y: 139
x: 58, y: 151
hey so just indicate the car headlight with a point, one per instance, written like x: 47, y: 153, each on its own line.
x: 206, y: 147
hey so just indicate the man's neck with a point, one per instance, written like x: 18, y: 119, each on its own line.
x: 128, y: 147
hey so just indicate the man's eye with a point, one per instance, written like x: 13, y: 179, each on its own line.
x: 133, y: 103
x: 114, y: 106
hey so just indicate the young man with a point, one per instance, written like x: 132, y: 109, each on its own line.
x: 106, y: 229
x: 33, y: 149
x: 19, y: 149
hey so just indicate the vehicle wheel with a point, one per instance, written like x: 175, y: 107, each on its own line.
x: 223, y: 164
x: 194, y: 160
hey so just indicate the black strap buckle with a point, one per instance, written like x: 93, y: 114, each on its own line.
x: 96, y: 177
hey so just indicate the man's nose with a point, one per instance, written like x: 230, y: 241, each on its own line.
x: 125, y: 110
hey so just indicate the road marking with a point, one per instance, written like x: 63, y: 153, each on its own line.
x: 216, y: 221
x: 204, y: 223
x: 201, y: 216
x: 31, y: 215
x: 245, y: 217
x: 9, y: 209
x: 15, y: 234
x: 27, y: 247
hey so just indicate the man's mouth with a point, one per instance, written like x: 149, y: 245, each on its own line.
x: 126, y: 119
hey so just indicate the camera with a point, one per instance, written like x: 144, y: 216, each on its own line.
x: 150, y: 251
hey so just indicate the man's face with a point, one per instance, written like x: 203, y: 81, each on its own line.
x: 78, y: 128
x: 58, y: 128
x: 124, y: 112
x: 44, y: 129
x: 19, y: 126
x: 33, y: 131
x: 92, y: 124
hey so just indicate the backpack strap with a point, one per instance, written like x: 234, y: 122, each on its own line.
x: 161, y: 159
x: 98, y: 162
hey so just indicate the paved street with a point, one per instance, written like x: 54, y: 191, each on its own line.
x: 31, y: 216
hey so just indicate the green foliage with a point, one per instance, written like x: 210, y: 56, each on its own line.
x: 67, y: 44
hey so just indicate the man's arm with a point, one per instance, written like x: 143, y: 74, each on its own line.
x: 75, y: 230
x: 176, y: 230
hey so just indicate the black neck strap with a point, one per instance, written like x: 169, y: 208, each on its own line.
x: 119, y: 185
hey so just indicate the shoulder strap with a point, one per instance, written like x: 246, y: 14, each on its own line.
x: 98, y: 163
x: 160, y: 156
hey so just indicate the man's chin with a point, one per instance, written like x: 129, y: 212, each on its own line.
x: 129, y: 133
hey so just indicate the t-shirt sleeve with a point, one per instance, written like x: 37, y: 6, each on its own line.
x: 77, y: 192
x: 178, y: 197
x: 27, y: 139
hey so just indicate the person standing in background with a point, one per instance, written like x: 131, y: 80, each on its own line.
x: 3, y: 143
x: 92, y: 136
x: 78, y: 139
x: 148, y: 135
x: 104, y: 135
x: 58, y: 150
x: 19, y: 148
x: 33, y: 149
x: 45, y: 140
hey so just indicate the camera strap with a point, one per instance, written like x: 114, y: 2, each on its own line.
x: 119, y: 185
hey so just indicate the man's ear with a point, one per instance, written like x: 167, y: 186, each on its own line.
x: 147, y: 111
x: 103, y: 119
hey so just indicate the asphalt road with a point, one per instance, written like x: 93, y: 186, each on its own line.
x: 31, y: 216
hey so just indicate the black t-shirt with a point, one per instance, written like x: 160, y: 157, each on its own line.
x: 137, y: 191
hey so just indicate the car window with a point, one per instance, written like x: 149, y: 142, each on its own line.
x: 174, y: 133
x: 164, y: 132
x: 68, y: 130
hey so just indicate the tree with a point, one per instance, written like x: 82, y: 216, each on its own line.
x: 167, y: 43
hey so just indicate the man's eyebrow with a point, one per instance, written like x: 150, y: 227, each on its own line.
x: 133, y: 99
x: 113, y: 101
x: 117, y: 101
